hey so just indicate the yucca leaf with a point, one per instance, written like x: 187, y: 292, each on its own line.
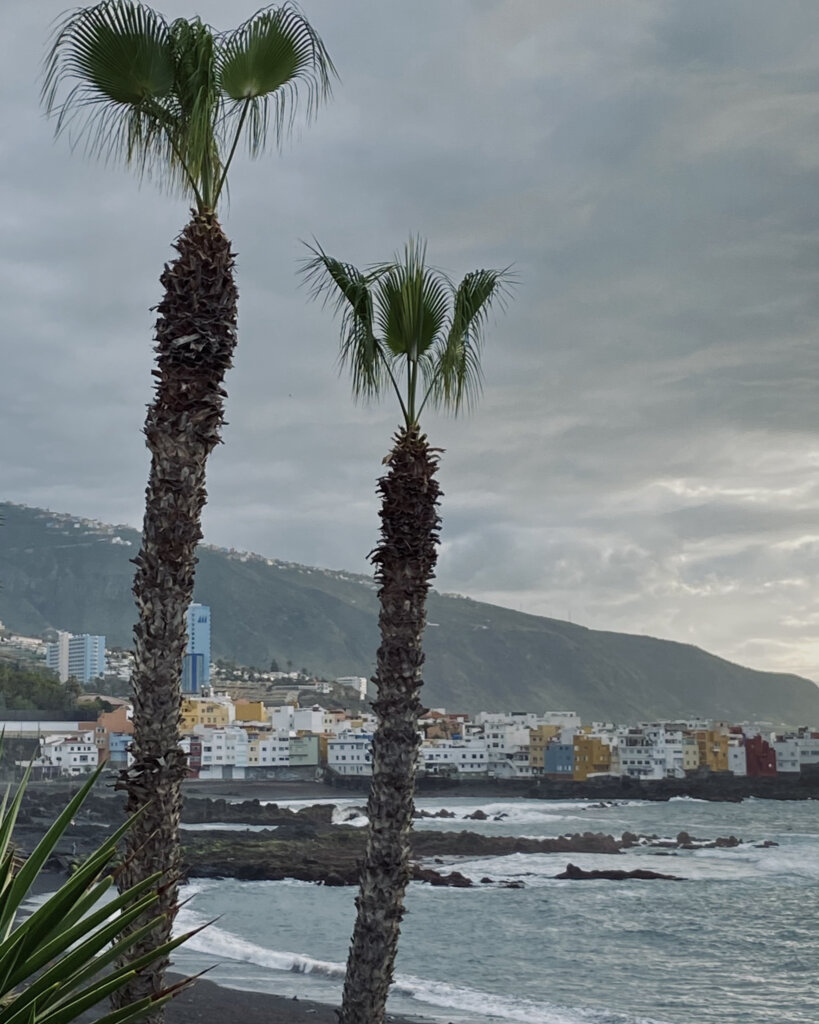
x: 62, y: 905
x: 40, y: 954
x: 69, y: 1010
x: 134, y: 964
x: 31, y: 868
x: 149, y: 1003
x: 9, y: 819
x: 62, y: 969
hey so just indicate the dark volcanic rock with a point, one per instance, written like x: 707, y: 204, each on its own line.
x: 576, y: 873
x: 337, y: 850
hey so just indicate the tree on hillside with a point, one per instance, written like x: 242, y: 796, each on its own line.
x: 405, y: 328
x: 174, y: 100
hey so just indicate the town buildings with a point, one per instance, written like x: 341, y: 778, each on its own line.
x: 269, y: 732
x: 78, y: 656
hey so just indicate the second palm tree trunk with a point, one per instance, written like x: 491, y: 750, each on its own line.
x: 405, y: 564
x: 195, y: 339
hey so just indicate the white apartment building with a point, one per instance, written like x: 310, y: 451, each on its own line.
x: 639, y: 756
x: 357, y: 683
x: 350, y: 753
x: 73, y: 755
x: 446, y: 756
x: 294, y: 719
x: 669, y: 744
x: 737, y: 763
x: 238, y: 749
x: 528, y: 719
x: 795, y: 752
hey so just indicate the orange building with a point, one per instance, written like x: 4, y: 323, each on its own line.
x: 116, y: 721
x: 591, y: 756
x: 712, y: 747
x: 538, y: 738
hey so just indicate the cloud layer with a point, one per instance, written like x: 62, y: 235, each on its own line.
x: 644, y: 455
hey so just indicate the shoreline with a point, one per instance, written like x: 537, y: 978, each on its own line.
x: 717, y: 788
x: 208, y: 1001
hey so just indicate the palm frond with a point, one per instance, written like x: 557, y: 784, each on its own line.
x: 458, y: 378
x: 261, y: 65
x: 413, y: 303
x: 118, y: 55
x: 404, y: 322
x: 349, y: 292
x: 197, y: 98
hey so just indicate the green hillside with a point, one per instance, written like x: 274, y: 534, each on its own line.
x: 72, y: 574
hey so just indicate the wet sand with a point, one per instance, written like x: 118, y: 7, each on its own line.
x: 206, y: 1001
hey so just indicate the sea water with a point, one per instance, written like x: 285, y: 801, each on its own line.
x: 735, y: 942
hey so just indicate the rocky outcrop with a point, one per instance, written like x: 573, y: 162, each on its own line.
x: 251, y: 812
x: 575, y: 873
x: 306, y: 846
x: 332, y: 854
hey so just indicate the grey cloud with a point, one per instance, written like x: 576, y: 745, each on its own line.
x: 640, y: 456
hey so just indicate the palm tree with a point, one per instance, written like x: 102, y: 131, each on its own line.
x: 174, y: 99
x: 405, y: 327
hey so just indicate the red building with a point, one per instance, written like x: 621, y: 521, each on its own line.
x: 760, y: 756
x: 195, y: 757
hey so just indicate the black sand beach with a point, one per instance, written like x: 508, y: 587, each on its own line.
x: 206, y: 1001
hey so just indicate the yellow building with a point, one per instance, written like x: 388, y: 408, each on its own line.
x: 538, y: 738
x: 205, y: 711
x: 250, y: 711
x: 591, y: 755
x: 691, y: 754
x: 712, y: 747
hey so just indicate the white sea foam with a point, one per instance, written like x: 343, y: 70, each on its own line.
x: 298, y: 805
x: 225, y: 945
x: 222, y: 944
x: 511, y: 1008
x: 350, y: 814
x: 224, y: 826
x: 532, y: 812
x: 774, y: 861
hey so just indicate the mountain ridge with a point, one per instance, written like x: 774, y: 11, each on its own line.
x: 59, y: 571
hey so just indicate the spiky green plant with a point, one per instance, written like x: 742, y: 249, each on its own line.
x: 57, y: 963
x: 173, y: 100
x: 405, y: 327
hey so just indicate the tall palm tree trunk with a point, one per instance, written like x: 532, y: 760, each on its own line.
x: 195, y: 339
x: 405, y: 563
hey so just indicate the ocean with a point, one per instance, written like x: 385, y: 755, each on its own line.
x: 735, y: 942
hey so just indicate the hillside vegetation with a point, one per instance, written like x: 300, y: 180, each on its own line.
x: 70, y: 574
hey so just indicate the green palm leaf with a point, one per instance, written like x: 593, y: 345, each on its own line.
x: 459, y: 378
x: 175, y: 99
x: 405, y: 323
x: 122, y: 51
x: 350, y: 293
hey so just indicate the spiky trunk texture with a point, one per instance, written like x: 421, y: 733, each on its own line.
x: 405, y: 564
x: 195, y: 339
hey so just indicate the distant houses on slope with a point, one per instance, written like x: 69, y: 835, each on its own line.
x: 240, y: 739
x: 230, y: 737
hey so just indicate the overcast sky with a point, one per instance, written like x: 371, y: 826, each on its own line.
x: 644, y: 455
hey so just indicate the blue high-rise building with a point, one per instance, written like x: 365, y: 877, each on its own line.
x: 199, y: 643
x: 192, y: 671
